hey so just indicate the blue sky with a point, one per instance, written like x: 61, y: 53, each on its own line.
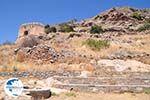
x: 15, y: 12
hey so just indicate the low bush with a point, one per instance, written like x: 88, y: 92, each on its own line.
x: 66, y: 28
x: 145, y: 26
x: 96, y: 29
x: 46, y: 26
x: 137, y: 16
x: 53, y: 29
x: 133, y: 9
x: 97, y: 44
x: 49, y: 29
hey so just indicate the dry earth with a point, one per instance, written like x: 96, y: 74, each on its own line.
x: 101, y: 96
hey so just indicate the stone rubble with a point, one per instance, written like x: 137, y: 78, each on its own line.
x: 122, y: 54
x: 40, y: 54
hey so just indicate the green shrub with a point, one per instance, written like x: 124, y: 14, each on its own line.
x: 145, y: 26
x: 133, y: 9
x: 137, y: 16
x: 46, y: 26
x: 97, y: 44
x: 96, y: 29
x: 49, y: 29
x: 66, y: 28
x: 53, y: 29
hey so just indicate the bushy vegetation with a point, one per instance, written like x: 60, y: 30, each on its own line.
x: 96, y: 29
x: 66, y: 28
x: 133, y: 9
x: 97, y: 44
x: 145, y: 26
x: 137, y: 16
x: 49, y: 29
x: 96, y: 17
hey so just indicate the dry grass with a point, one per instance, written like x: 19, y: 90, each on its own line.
x: 101, y: 96
x: 22, y: 66
x: 141, y: 43
x: 77, y: 45
x: 20, y: 57
x: 10, y: 62
x: 103, y: 53
x: 6, y: 56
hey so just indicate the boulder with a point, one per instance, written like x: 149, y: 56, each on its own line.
x: 38, y: 94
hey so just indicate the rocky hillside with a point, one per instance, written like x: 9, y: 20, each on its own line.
x: 119, y: 33
x: 120, y: 19
x: 111, y: 51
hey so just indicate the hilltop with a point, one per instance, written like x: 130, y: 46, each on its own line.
x: 120, y: 19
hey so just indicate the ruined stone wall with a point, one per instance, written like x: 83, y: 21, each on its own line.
x: 30, y: 29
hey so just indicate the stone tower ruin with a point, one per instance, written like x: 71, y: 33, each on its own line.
x: 27, y: 29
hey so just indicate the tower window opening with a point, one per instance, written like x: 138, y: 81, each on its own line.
x: 26, y: 33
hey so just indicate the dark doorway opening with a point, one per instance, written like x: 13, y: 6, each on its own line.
x: 26, y: 33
